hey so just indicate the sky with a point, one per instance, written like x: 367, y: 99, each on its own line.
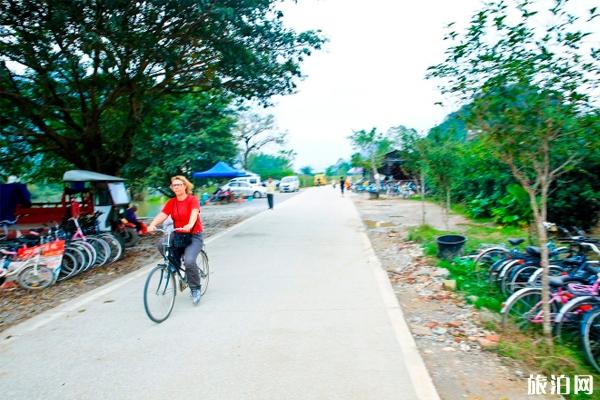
x: 371, y: 73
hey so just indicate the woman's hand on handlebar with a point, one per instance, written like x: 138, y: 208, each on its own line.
x: 185, y: 228
x: 152, y: 228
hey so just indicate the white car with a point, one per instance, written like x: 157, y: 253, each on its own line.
x: 289, y: 184
x: 246, y: 189
x: 251, y: 179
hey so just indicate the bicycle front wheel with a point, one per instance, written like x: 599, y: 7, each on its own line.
x: 524, y: 309
x: 202, y: 263
x: 159, y: 294
x: 36, y: 277
x: 590, y: 336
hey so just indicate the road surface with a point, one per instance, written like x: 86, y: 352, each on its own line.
x: 297, y: 308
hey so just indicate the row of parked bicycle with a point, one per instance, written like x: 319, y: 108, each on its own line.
x: 574, y: 302
x: 41, y: 257
x: 404, y: 189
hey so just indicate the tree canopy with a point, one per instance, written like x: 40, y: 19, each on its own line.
x: 186, y: 134
x: 274, y: 166
x: 78, y: 79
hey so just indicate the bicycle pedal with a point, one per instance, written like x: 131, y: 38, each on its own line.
x: 182, y: 286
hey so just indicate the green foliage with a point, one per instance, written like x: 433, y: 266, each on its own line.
x: 307, y: 170
x: 372, y: 145
x: 275, y: 166
x: 186, y: 134
x: 340, y: 168
x: 528, y: 93
x: 513, y: 207
x: 575, y: 196
x: 408, y: 144
x: 79, y: 79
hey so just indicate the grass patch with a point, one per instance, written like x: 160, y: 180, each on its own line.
x: 564, y: 360
x: 474, y: 285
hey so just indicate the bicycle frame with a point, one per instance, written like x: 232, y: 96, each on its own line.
x: 171, y: 269
x: 563, y: 297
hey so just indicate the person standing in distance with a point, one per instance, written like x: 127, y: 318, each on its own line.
x: 270, y: 192
x: 342, y: 184
x: 184, y: 210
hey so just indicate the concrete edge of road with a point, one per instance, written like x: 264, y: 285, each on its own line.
x: 76, y: 303
x: 419, y: 375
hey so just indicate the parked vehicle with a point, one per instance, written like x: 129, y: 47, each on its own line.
x: 245, y: 189
x: 289, y: 184
x: 320, y: 180
x: 86, y: 193
x: 251, y: 179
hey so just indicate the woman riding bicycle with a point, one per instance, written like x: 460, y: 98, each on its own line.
x: 184, y: 209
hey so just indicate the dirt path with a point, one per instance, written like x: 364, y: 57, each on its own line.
x: 449, y: 332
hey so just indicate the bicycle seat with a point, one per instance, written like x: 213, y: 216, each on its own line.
x: 556, y: 281
x: 591, y: 269
x: 573, y: 261
x: 533, y: 251
x: 516, y: 242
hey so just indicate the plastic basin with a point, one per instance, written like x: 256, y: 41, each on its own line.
x: 450, y: 246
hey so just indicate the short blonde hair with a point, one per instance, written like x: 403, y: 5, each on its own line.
x: 188, y: 185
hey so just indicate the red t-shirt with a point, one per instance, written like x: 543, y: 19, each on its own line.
x: 181, y: 211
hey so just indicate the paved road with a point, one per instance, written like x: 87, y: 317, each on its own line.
x: 297, y: 308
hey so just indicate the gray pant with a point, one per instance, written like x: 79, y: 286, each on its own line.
x: 189, y: 254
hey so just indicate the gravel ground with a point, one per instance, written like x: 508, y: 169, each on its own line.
x: 17, y: 305
x: 449, y: 333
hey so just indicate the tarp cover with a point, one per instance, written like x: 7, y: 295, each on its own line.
x: 80, y: 175
x: 219, y: 170
x: 355, y: 171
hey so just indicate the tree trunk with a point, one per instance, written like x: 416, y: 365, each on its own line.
x: 447, y: 209
x: 547, y: 327
x: 422, y: 198
x: 539, y: 213
x: 375, y: 174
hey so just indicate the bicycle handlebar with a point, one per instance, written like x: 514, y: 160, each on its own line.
x: 592, y: 246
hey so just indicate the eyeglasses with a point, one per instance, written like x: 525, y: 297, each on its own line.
x: 176, y: 184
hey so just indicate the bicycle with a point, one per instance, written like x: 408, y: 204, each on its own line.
x: 160, y: 288
x: 28, y: 265
x: 524, y: 308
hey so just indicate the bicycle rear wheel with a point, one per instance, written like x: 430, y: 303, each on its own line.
x: 590, y: 337
x: 159, y: 293
x: 567, y: 327
x: 116, y: 247
x: 202, y: 263
x: 102, y: 250
x: 67, y: 266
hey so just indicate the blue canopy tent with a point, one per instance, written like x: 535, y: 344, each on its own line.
x: 219, y: 170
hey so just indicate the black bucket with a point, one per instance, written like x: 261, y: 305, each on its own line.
x: 450, y: 246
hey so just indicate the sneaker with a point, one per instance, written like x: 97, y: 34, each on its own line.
x: 196, y: 296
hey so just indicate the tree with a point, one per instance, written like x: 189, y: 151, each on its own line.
x: 186, y: 134
x: 340, y: 168
x: 530, y: 86
x: 78, y: 79
x: 373, y: 145
x: 254, y: 131
x: 307, y: 170
x: 413, y: 150
x: 439, y: 161
x: 274, y: 166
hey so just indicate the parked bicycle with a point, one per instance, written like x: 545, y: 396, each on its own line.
x: 163, y: 280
